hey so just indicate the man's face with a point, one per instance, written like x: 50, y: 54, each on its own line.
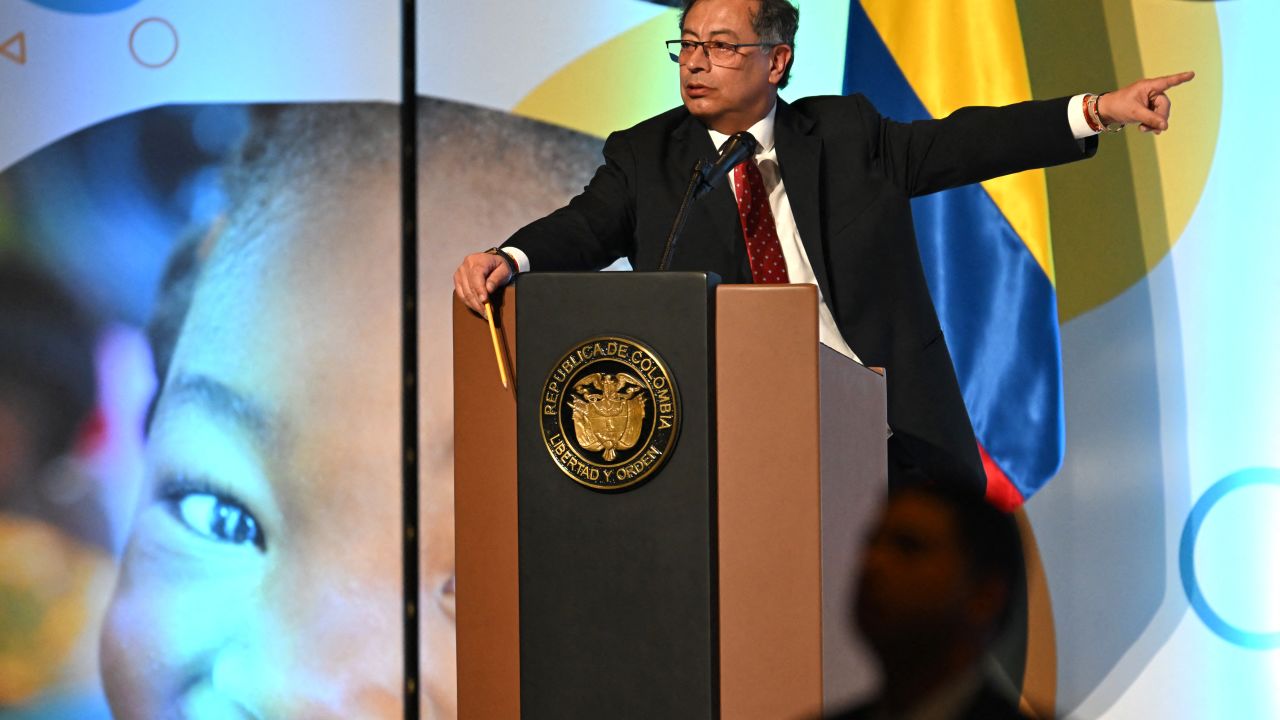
x: 916, y: 582
x: 263, y: 573
x: 729, y: 98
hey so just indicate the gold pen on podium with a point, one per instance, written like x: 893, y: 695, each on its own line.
x: 497, y: 348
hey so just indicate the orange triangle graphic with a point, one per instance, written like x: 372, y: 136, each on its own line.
x: 15, y: 48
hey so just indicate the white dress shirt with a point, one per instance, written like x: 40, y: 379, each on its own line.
x: 799, y: 270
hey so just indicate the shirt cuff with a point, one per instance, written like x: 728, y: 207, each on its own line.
x: 522, y: 260
x: 1075, y: 115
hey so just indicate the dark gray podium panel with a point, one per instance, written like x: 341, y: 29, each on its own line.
x: 617, y: 587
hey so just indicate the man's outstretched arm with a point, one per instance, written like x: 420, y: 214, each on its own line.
x: 978, y: 143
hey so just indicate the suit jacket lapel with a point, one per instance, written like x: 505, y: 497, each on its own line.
x: 719, y: 206
x: 799, y: 159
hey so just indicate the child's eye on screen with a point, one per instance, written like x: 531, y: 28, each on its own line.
x: 213, y: 514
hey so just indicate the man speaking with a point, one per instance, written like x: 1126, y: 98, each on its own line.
x: 824, y: 200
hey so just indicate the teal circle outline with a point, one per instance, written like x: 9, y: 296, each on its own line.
x: 1186, y: 558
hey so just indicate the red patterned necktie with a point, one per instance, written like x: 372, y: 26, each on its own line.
x: 763, y: 249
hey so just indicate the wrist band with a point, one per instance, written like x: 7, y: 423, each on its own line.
x: 512, y: 265
x: 1095, y: 118
x: 1087, y: 106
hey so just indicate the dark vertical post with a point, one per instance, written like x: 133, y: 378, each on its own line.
x: 409, y: 344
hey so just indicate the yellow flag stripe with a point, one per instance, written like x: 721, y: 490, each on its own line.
x: 969, y: 52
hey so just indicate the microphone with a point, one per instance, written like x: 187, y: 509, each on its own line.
x: 737, y: 148
x: 706, y: 175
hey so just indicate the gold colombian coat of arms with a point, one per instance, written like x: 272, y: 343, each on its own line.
x: 610, y: 413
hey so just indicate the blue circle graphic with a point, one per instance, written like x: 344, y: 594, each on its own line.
x: 1187, y: 551
x: 85, y: 7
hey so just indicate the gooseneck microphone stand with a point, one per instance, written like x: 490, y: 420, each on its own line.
x: 739, y: 147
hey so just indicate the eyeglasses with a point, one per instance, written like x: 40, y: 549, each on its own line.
x: 724, y: 54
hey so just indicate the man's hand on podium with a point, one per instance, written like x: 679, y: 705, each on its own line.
x: 478, y: 276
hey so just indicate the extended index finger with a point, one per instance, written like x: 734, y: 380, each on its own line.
x: 1168, y: 81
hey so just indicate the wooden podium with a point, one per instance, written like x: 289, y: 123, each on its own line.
x: 717, y: 587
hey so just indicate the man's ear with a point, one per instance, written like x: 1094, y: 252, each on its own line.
x: 779, y: 58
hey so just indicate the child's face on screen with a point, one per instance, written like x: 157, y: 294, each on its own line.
x: 263, y: 573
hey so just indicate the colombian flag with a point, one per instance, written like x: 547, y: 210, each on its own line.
x: 986, y: 248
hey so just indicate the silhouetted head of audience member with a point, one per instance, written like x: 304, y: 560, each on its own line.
x: 939, y: 572
x: 47, y: 382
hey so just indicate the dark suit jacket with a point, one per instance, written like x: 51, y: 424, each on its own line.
x: 849, y: 175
